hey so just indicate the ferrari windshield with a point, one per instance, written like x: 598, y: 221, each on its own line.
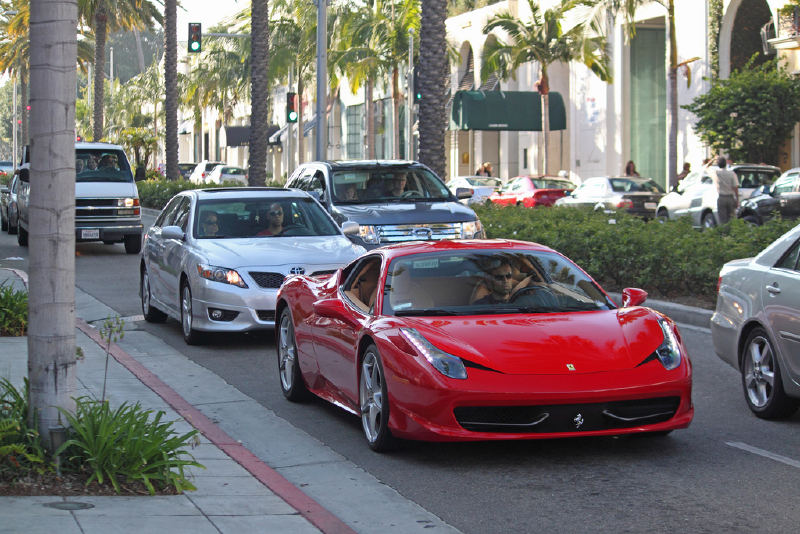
x: 387, y: 184
x: 489, y: 282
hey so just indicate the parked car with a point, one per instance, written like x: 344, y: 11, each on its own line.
x: 202, y: 170
x: 186, y: 169
x: 225, y: 277
x: 637, y: 196
x: 106, y: 197
x: 482, y: 187
x: 532, y: 191
x: 406, y: 338
x: 392, y: 201
x: 782, y: 197
x: 756, y: 326
x: 7, y: 168
x: 225, y: 173
x: 9, y: 212
x: 696, y: 195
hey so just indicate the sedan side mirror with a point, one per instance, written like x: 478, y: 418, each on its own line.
x: 173, y: 232
x: 632, y: 296
x: 464, y: 193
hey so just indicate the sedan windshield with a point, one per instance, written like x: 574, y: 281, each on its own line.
x: 488, y: 282
x: 635, y: 185
x: 261, y: 217
x: 367, y: 186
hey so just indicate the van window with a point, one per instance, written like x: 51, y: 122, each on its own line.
x: 101, y: 165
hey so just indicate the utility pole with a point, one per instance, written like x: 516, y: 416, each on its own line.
x: 322, y: 80
x: 410, y: 96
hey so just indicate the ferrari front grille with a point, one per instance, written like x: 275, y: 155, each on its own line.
x: 567, y: 417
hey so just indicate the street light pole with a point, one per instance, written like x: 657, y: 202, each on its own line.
x: 14, y: 128
x: 410, y: 96
x: 322, y: 79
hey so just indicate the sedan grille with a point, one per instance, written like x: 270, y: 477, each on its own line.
x: 396, y: 233
x: 268, y: 280
x: 567, y: 417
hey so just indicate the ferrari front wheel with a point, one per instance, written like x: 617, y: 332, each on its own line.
x: 292, y: 385
x: 374, y: 401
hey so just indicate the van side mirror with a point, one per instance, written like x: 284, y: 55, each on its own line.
x: 24, y: 175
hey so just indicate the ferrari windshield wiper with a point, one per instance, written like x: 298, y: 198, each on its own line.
x: 427, y: 312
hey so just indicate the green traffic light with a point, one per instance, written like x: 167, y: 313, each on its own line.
x: 195, y: 46
x: 292, y: 116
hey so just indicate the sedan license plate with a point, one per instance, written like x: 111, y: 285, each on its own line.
x: 90, y: 234
x: 650, y: 205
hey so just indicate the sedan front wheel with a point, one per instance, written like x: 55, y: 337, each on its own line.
x: 761, y: 379
x: 190, y: 335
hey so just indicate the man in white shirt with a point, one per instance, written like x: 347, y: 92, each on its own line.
x: 727, y: 185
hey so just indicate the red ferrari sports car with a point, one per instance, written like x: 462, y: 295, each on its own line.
x: 480, y: 340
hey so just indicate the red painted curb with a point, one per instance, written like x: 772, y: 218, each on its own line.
x: 305, y: 505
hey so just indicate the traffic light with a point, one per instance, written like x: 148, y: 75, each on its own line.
x: 195, y: 37
x: 417, y: 86
x: 291, y: 107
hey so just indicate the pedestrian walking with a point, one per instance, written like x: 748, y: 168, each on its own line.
x: 727, y: 185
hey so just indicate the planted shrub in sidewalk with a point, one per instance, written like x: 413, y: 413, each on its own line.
x: 13, y: 311
x: 129, y: 444
x: 20, y: 450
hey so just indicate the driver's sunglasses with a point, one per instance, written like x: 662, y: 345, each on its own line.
x: 506, y: 276
x: 275, y: 213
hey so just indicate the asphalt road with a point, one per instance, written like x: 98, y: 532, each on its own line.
x: 728, y: 472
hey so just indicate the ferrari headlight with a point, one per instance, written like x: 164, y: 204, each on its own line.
x: 370, y: 234
x: 220, y: 274
x: 669, y: 354
x: 472, y: 230
x: 445, y: 363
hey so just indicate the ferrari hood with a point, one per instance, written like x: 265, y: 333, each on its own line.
x: 563, y: 343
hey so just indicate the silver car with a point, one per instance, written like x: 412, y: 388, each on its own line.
x: 214, y: 262
x: 756, y: 325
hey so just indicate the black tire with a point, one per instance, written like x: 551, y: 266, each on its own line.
x: 708, y: 220
x: 133, y: 244
x: 22, y: 236
x: 3, y: 224
x: 150, y: 312
x: 662, y: 215
x: 761, y: 378
x: 190, y: 335
x: 373, y: 399
x: 752, y: 219
x: 292, y: 384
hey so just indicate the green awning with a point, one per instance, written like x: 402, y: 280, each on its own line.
x: 505, y: 110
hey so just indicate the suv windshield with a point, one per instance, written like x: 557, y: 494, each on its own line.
x: 367, y: 186
x: 101, y: 165
x: 488, y: 282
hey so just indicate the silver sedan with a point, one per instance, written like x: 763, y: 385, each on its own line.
x: 214, y: 259
x: 756, y: 325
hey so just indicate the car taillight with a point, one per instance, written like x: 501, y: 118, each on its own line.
x: 719, y: 283
x: 625, y: 203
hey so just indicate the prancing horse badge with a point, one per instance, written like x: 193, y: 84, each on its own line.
x: 570, y: 367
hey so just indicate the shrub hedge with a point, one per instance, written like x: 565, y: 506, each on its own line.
x: 155, y: 193
x: 665, y: 258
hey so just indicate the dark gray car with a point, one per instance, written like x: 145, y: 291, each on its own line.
x: 782, y: 197
x: 392, y: 201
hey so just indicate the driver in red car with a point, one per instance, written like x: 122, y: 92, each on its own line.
x: 500, y: 281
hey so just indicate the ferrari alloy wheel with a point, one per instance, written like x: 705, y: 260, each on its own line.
x: 374, y: 401
x: 292, y: 385
x: 761, y: 379
x: 190, y: 335
x: 151, y: 314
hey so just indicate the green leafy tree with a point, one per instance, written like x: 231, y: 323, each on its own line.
x: 750, y: 114
x: 543, y: 40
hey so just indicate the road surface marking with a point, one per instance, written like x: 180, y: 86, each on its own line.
x: 762, y: 452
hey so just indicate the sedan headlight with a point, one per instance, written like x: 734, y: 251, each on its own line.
x: 447, y: 364
x: 669, y: 354
x: 370, y: 234
x: 472, y: 230
x: 220, y: 274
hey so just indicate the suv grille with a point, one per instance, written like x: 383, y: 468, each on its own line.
x: 396, y: 233
x: 102, y: 208
x: 268, y: 280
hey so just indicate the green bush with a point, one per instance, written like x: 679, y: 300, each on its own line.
x: 156, y: 193
x: 126, y: 443
x: 20, y: 450
x: 665, y: 258
x: 13, y: 311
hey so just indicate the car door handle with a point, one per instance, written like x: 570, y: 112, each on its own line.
x: 774, y: 289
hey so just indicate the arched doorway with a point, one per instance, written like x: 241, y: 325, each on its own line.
x: 740, y: 35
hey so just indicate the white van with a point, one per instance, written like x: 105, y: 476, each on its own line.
x: 106, y: 198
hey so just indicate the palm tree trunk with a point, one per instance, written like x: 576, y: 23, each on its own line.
x: 259, y: 89
x: 171, y: 89
x: 139, y: 51
x: 396, y: 99
x: 672, y: 136
x: 100, y: 32
x: 51, y: 300
x: 434, y: 77
x: 370, y: 108
x: 23, y: 88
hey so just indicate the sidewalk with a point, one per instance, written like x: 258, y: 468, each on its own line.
x: 255, y: 462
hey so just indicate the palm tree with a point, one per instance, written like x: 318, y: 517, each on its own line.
x: 434, y: 75
x: 543, y: 40
x: 51, y: 309
x: 259, y: 114
x: 113, y: 15
x: 171, y: 89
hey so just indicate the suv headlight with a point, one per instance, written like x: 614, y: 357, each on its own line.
x: 220, y: 274
x: 447, y: 364
x: 370, y: 234
x: 472, y: 230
